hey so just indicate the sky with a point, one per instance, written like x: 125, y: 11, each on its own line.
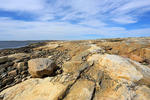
x: 73, y: 19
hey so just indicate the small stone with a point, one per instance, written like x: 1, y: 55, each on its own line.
x: 67, y: 59
x: 3, y: 75
x: 24, y: 72
x: 21, y: 66
x: 2, y: 70
x: 49, y: 57
x: 17, y: 77
x: 23, y: 76
x: 18, y: 80
x: 12, y: 73
x: 23, y: 79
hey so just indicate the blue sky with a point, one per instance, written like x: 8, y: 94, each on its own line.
x: 73, y: 19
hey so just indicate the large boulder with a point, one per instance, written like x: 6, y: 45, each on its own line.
x: 41, y: 67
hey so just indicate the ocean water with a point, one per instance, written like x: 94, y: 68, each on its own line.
x: 15, y: 44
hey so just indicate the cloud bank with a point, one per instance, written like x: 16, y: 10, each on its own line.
x: 72, y: 19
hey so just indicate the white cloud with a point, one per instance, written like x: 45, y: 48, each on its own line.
x: 129, y: 11
x: 22, y: 30
x: 134, y: 4
x: 92, y: 23
x: 46, y: 17
x: 89, y: 6
x: 114, y: 10
x: 63, y: 18
x: 22, y: 5
x: 125, y: 20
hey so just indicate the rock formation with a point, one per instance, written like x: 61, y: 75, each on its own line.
x: 108, y: 69
x: 41, y: 67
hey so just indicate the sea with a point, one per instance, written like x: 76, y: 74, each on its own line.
x: 15, y: 44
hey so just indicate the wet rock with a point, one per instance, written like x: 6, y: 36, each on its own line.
x: 41, y: 67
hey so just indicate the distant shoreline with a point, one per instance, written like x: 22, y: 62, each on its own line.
x: 15, y: 44
x: 19, y: 44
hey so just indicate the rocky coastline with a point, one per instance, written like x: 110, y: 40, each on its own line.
x: 102, y: 69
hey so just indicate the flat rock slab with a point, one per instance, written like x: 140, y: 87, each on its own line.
x: 35, y: 89
x: 81, y: 90
x: 41, y: 67
x: 3, y: 59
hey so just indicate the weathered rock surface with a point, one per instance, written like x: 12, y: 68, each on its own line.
x: 136, y: 58
x: 35, y: 89
x: 142, y: 93
x: 119, y: 68
x: 81, y: 90
x: 3, y: 59
x: 109, y: 69
x: 41, y: 67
